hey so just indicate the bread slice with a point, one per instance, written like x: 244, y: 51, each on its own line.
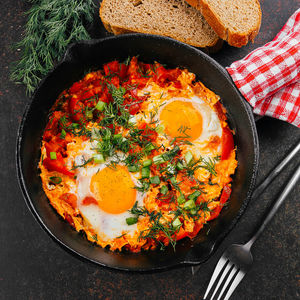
x: 235, y: 21
x: 172, y: 18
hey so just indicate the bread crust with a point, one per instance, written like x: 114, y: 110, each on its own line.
x: 233, y: 38
x: 215, y: 46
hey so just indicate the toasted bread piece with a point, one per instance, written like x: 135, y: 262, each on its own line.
x: 235, y: 21
x: 172, y: 18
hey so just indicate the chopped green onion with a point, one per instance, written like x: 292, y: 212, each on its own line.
x: 193, y: 211
x: 133, y: 168
x: 147, y: 162
x: 75, y: 125
x: 117, y: 137
x: 145, y: 172
x: 55, y: 180
x: 63, y: 134
x: 160, y: 129
x: 176, y: 223
x: 100, y: 105
x: 190, y: 204
x: 179, y: 166
x: 165, y: 156
x: 194, y: 195
x: 173, y: 180
x: 89, y: 114
x: 171, y: 154
x: 180, y: 199
x: 53, y: 155
x: 131, y: 220
x: 158, y: 159
x: 98, y: 158
x: 155, y: 180
x: 164, y: 189
x: 149, y: 147
x: 188, y: 157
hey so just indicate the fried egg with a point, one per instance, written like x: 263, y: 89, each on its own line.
x: 189, y: 118
x: 105, y: 193
x: 193, y: 117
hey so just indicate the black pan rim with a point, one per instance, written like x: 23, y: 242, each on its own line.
x: 233, y: 223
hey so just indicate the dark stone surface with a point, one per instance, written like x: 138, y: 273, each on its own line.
x: 32, y: 266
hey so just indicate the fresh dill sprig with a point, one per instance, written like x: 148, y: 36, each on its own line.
x: 74, y: 128
x: 158, y: 225
x: 183, y: 137
x: 85, y: 162
x: 51, y: 26
x: 209, y: 165
x: 204, y: 163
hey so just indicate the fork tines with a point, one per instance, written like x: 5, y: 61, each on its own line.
x: 224, y: 280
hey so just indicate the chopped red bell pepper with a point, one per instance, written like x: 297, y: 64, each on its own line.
x: 105, y: 96
x: 112, y: 67
x: 177, y: 84
x: 57, y: 165
x: 148, y: 132
x: 134, y: 108
x: 225, y: 194
x: 88, y: 94
x: 89, y: 200
x: 76, y: 87
x: 227, y: 143
x: 215, y: 213
x: 180, y: 234
x: 55, y: 145
x: 115, y: 81
x: 197, y: 228
x: 75, y: 110
x: 164, y: 76
x: 123, y: 71
x: 133, y: 94
x: 133, y: 101
x: 52, y: 126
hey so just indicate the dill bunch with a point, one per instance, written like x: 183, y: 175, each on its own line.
x: 51, y: 26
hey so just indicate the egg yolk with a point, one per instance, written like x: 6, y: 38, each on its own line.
x: 180, y: 117
x: 114, y: 189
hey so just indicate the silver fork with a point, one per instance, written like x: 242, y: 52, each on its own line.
x: 237, y: 259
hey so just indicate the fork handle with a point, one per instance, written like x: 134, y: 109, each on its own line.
x: 275, y: 207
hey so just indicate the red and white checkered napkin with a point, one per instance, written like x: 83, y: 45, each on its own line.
x: 269, y: 77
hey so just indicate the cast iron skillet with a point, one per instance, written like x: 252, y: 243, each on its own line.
x: 85, y: 56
